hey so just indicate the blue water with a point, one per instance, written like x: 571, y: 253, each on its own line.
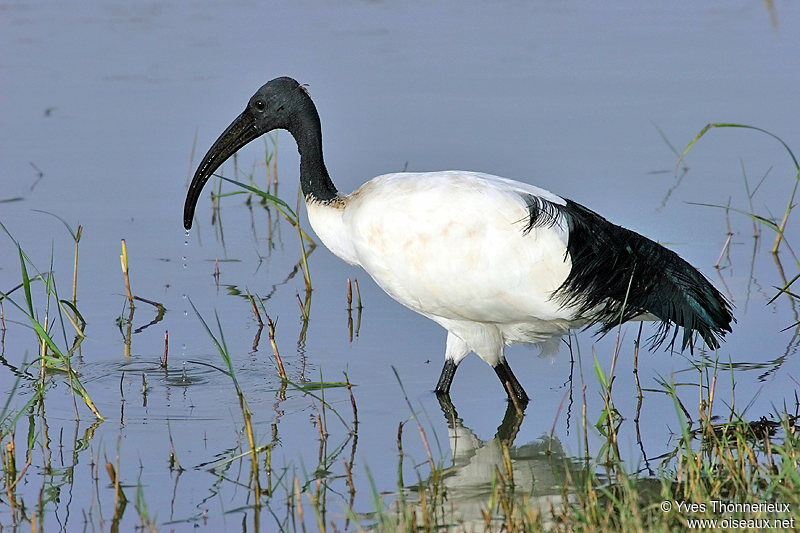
x: 105, y: 99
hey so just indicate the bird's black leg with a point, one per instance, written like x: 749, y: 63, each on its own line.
x: 510, y: 383
x: 448, y: 371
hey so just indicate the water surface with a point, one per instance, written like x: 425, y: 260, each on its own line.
x: 105, y: 100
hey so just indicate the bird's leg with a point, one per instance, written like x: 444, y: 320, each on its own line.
x: 510, y: 383
x: 446, y: 378
x: 455, y: 351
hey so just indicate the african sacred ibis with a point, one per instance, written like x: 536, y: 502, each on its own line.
x: 491, y: 260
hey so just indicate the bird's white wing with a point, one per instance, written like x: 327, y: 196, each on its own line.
x: 461, y: 245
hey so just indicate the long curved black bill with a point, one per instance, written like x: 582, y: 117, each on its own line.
x: 241, y: 131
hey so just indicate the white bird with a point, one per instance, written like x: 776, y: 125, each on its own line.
x: 493, y: 261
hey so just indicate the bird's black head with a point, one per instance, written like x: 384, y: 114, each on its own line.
x: 274, y: 106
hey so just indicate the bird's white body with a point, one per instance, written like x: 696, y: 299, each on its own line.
x: 492, y: 260
x: 452, y: 246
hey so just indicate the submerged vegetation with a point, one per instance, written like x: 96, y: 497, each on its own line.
x: 725, y: 467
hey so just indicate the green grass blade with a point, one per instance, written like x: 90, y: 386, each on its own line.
x: 711, y: 125
x: 767, y: 222
x: 784, y: 289
x: 601, y: 376
x: 77, y: 316
x: 318, y: 385
x: 7, y: 421
x: 26, y: 282
x: 221, y: 348
x: 75, y: 236
x: 261, y: 193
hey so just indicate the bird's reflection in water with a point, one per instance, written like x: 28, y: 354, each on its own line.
x: 538, y: 474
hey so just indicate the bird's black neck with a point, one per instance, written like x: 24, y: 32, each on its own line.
x: 315, y: 182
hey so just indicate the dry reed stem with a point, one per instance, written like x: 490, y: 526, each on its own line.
x: 585, y: 428
x: 304, y: 306
x: 255, y: 310
x: 348, y: 470
x: 75, y: 266
x: 191, y: 157
x: 352, y: 402
x: 166, y: 349
x: 298, y: 499
x: 639, y: 395
x: 304, y: 257
x: 248, y: 424
x: 358, y: 295
x: 509, y: 467
x: 400, y: 438
x: 11, y: 461
x: 10, y: 470
x: 281, y: 370
x: 349, y: 326
x: 513, y: 398
x: 427, y: 446
x: 119, y: 495
x: 10, y: 488
x: 124, y: 261
x: 555, y: 419
x: 722, y: 252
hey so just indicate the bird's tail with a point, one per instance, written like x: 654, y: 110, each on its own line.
x: 618, y: 275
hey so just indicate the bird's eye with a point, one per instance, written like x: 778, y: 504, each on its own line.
x: 260, y: 105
